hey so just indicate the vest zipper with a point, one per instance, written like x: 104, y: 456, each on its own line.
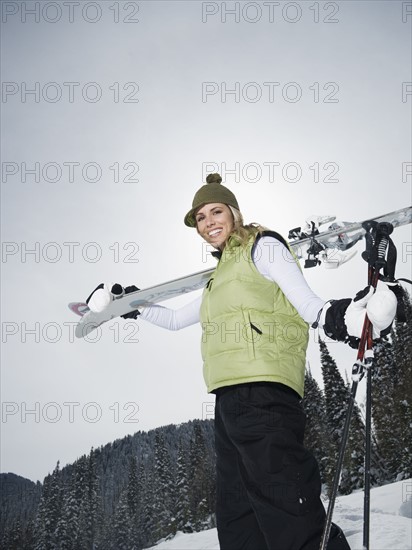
x: 209, y: 284
x: 255, y: 328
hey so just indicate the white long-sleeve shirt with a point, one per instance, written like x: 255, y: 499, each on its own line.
x: 275, y: 262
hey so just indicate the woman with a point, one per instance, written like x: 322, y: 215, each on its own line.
x: 255, y: 312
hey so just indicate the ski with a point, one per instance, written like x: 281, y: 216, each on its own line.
x: 331, y: 247
x: 79, y: 308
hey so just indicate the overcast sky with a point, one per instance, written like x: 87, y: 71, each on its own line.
x: 112, y: 115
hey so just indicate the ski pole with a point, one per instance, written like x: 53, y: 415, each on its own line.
x: 357, y: 373
x: 328, y: 523
x: 376, y: 246
x: 384, y: 231
x: 367, y: 482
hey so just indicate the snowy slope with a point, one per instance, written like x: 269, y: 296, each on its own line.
x: 391, y: 522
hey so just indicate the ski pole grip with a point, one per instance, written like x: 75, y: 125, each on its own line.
x: 384, y: 229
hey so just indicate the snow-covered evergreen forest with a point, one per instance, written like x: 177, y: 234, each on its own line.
x: 133, y: 492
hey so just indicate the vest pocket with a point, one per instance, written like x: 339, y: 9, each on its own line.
x: 251, y: 333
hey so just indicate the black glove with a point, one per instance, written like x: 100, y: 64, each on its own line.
x: 334, y: 324
x: 132, y: 314
x: 345, y: 318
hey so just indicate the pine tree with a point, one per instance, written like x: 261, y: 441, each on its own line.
x: 337, y: 398
x: 91, y: 503
x: 49, y: 511
x: 133, y: 487
x: 29, y: 535
x: 80, y: 491
x: 5, y: 538
x: 77, y: 525
x: 182, y: 490
x: 386, y: 430
x: 121, y: 524
x: 16, y: 537
x: 402, y: 346
x: 316, y: 431
x: 163, y: 490
x: 392, y: 390
x: 198, y: 488
x: 146, y: 516
x: 40, y: 524
x: 202, y: 514
x: 68, y: 525
x: 133, y: 504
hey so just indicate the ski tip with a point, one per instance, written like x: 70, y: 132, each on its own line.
x: 79, y: 308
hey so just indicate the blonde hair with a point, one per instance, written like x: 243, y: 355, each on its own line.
x: 241, y: 233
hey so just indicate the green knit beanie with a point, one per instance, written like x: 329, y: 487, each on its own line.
x: 212, y: 191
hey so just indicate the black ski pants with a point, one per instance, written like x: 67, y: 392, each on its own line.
x: 268, y: 484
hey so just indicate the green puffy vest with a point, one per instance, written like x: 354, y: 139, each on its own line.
x: 250, y: 331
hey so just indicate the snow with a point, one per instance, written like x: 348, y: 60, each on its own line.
x: 391, y: 523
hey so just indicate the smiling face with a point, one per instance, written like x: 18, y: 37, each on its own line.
x: 214, y: 222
